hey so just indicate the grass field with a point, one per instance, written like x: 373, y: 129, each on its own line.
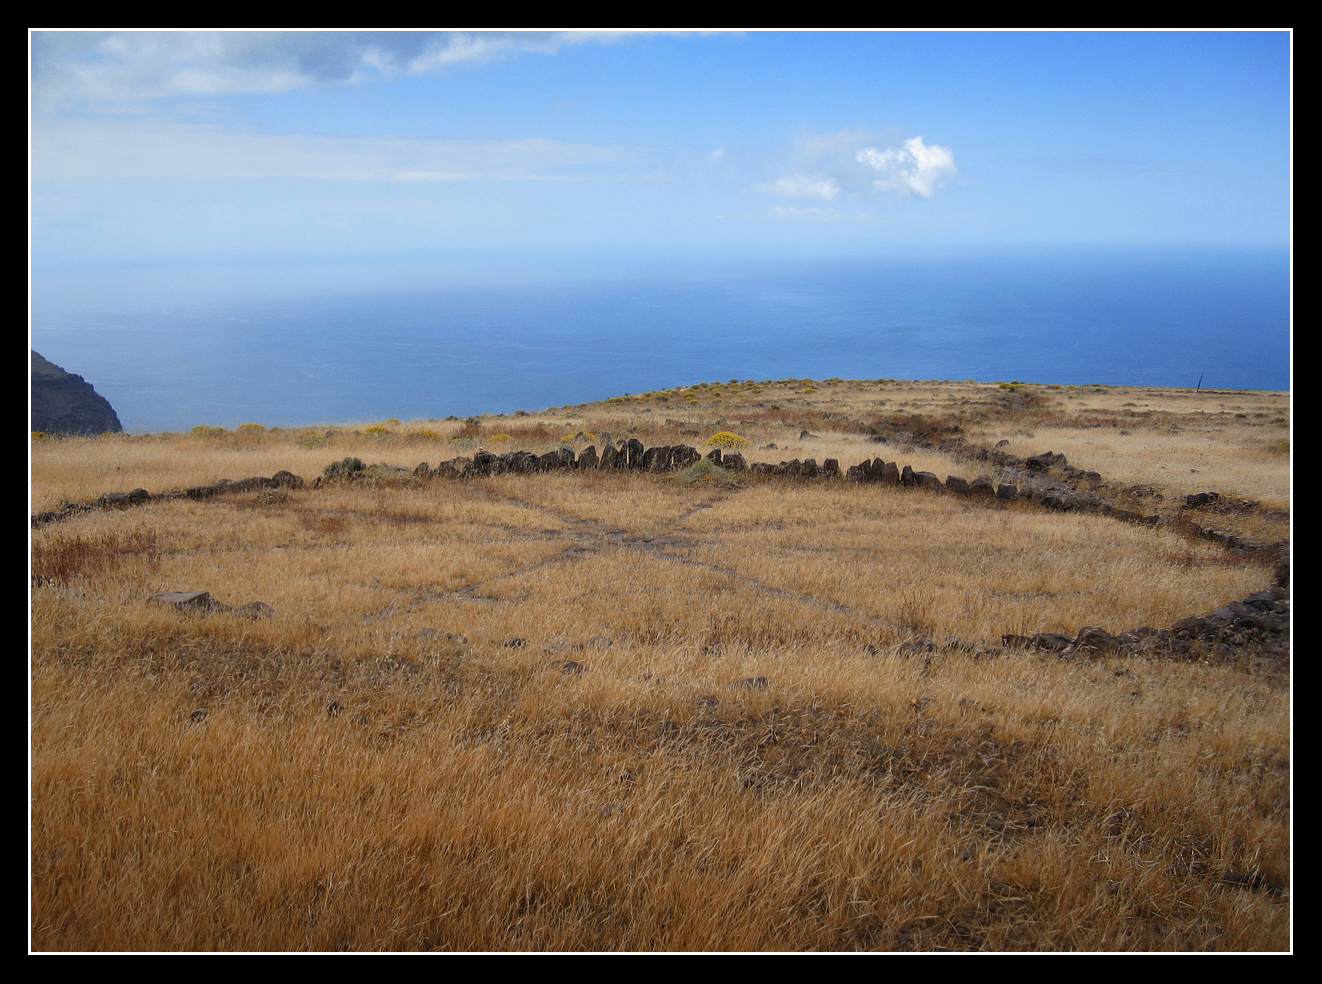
x: 614, y: 710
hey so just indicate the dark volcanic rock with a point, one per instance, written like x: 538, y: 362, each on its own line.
x: 63, y: 403
x: 1095, y: 639
x: 660, y: 458
x: 682, y: 456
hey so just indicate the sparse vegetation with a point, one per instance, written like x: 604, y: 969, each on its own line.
x: 763, y: 715
x: 704, y: 471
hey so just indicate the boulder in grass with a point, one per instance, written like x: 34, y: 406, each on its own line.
x: 1094, y: 640
x: 203, y: 603
x: 195, y: 602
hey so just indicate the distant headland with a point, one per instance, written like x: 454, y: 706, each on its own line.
x: 64, y: 403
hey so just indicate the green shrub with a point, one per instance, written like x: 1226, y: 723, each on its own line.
x: 345, y: 468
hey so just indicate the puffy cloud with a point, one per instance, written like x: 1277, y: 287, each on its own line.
x: 857, y: 162
x: 914, y: 168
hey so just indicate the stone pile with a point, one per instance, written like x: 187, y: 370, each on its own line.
x: 1260, y: 624
x: 140, y: 497
x: 627, y: 455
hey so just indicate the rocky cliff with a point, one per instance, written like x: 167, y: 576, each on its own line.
x: 63, y: 403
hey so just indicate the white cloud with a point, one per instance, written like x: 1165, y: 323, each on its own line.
x: 857, y: 162
x: 914, y: 168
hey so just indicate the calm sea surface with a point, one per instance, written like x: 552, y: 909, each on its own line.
x: 172, y: 347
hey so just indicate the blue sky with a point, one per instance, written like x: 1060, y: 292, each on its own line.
x: 195, y: 146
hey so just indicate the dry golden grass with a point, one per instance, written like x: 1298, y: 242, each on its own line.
x: 666, y: 716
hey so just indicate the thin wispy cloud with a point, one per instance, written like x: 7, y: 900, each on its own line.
x: 151, y: 150
x: 104, y: 71
x: 791, y: 212
x: 803, y: 186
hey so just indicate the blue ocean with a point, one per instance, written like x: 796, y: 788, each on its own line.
x: 283, y: 343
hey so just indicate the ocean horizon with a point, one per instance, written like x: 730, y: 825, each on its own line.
x: 284, y: 343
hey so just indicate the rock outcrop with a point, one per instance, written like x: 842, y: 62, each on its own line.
x: 63, y: 403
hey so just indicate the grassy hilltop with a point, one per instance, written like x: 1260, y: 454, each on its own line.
x: 691, y: 710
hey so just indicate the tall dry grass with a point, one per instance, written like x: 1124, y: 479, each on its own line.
x: 647, y: 716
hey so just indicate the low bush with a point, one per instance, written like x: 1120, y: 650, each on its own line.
x: 728, y: 439
x: 344, y: 468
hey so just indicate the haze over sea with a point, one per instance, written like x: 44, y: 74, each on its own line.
x: 410, y: 338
